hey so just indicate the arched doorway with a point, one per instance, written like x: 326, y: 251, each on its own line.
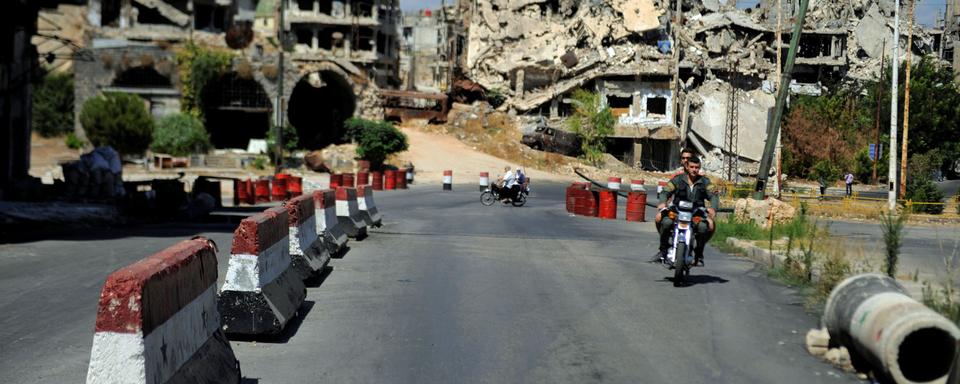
x: 236, y: 109
x: 320, y: 103
x: 153, y: 87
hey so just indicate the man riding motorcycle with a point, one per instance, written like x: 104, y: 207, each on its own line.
x: 692, y: 187
x: 507, y: 185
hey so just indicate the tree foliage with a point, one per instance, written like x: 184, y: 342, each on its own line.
x: 593, y: 121
x: 53, y: 105
x: 375, y: 139
x: 822, y: 134
x: 198, y: 67
x: 119, y: 120
x: 180, y: 134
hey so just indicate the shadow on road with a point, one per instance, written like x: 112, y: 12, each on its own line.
x: 317, y: 279
x: 288, y: 332
x: 182, y: 230
x: 698, y: 279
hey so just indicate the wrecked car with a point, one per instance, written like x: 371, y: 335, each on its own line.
x: 549, y: 139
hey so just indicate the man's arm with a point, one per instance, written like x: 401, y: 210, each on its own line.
x: 670, y: 188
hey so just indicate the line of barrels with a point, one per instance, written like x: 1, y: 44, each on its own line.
x: 584, y: 200
x: 282, y: 186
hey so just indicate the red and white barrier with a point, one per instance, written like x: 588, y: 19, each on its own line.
x: 261, y: 292
x: 348, y: 213
x: 448, y: 180
x: 307, y: 252
x: 157, y: 321
x: 367, y: 207
x: 328, y: 226
x: 484, y: 181
x: 613, y: 183
x: 636, y: 185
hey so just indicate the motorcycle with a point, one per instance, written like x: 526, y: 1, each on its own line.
x: 680, y: 256
x: 490, y: 196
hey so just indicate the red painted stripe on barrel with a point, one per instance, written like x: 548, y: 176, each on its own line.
x: 608, y: 204
x: 258, y: 232
x: 363, y: 178
x: 401, y: 176
x: 390, y: 179
x: 262, y: 191
x: 143, y: 295
x: 377, y: 182
x: 636, y: 206
x: 279, y: 190
x: 347, y: 180
x: 295, y: 186
x: 336, y: 180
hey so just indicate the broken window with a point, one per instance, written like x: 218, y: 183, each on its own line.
x: 363, y: 8
x: 657, y: 105
x: 619, y: 105
x: 813, y: 46
x: 305, y: 5
x: 110, y: 13
x: 304, y: 36
x: 142, y: 77
x: 211, y: 18
x: 381, y: 44
x: 365, y: 39
x: 236, y: 110
x: 326, y: 7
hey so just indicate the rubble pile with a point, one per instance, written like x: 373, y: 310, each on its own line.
x: 764, y: 213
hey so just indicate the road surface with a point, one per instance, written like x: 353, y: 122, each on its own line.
x: 449, y: 291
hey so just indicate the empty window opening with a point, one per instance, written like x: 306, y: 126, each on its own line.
x: 365, y: 39
x: 211, y: 18
x: 305, y: 5
x: 142, y: 77
x: 657, y: 105
x: 110, y: 13
x: 363, y: 8
x: 326, y: 6
x: 150, y: 16
x: 304, y: 36
x: 619, y: 105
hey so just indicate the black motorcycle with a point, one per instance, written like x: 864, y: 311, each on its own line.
x: 490, y: 196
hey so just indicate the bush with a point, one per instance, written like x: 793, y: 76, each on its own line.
x: 198, y: 67
x: 892, y: 227
x: 593, y: 121
x: 53, y: 105
x: 826, y: 169
x: 180, y: 135
x: 119, y: 120
x: 925, y: 191
x: 291, y: 141
x: 375, y: 139
x: 73, y: 142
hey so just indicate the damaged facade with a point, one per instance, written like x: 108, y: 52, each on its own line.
x: 339, y: 54
x: 671, y: 76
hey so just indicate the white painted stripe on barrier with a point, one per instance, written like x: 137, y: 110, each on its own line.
x: 448, y: 179
x: 362, y: 203
x: 249, y: 273
x: 329, y: 215
x: 343, y: 208
x: 484, y: 181
x: 133, y: 358
x: 636, y: 187
x: 303, y: 236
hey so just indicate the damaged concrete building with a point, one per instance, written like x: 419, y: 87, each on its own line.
x: 339, y: 54
x: 703, y: 75
x: 950, y: 50
x: 423, y: 57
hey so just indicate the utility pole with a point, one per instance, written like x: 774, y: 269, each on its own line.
x: 906, y: 109
x: 876, y: 147
x: 779, y: 151
x: 892, y: 150
x: 782, y: 92
x: 281, y: 36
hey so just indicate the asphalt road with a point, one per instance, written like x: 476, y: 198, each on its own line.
x: 449, y: 291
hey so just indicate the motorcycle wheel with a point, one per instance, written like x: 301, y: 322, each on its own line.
x: 681, y: 257
x: 487, y: 198
x: 520, y: 200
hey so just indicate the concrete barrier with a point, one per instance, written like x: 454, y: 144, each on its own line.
x: 328, y: 226
x: 157, y: 321
x: 261, y: 292
x: 307, y: 251
x: 874, y: 317
x: 348, y: 213
x: 367, y: 207
x: 484, y: 181
x: 448, y: 180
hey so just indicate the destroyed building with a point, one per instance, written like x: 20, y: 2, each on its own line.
x: 338, y: 54
x: 703, y: 76
x: 950, y: 49
x: 423, y: 57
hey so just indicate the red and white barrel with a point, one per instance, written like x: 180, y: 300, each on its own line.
x: 157, y: 321
x: 484, y: 180
x: 448, y: 180
x: 613, y: 183
x: 636, y: 185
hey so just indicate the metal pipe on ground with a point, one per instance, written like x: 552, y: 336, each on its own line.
x: 901, y: 339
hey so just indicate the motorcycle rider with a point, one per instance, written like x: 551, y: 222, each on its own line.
x: 507, y: 184
x: 693, y: 187
x: 685, y: 155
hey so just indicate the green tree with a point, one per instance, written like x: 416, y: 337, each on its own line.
x: 593, y: 121
x: 119, y: 120
x: 199, y: 67
x: 920, y: 186
x: 375, y: 139
x: 180, y: 134
x: 53, y: 105
x: 291, y: 142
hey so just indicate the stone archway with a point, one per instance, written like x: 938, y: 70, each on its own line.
x: 319, y: 105
x: 236, y: 109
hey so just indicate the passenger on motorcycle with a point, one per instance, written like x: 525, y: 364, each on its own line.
x: 507, y: 185
x: 692, y: 187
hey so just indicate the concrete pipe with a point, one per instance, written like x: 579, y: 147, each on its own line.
x: 874, y: 317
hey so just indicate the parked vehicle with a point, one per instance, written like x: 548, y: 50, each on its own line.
x: 545, y: 138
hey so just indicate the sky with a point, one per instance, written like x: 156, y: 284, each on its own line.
x: 926, y: 10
